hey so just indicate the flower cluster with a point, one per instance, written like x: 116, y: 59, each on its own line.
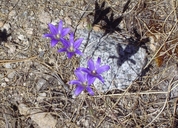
x: 58, y: 34
x: 85, y: 76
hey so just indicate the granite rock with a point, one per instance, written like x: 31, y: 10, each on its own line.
x: 126, y: 61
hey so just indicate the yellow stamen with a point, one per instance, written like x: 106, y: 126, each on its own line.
x: 93, y: 72
x: 71, y: 49
x: 57, y: 36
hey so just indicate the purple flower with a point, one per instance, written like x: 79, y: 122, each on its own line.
x: 57, y: 33
x: 82, y: 83
x: 94, y: 70
x: 70, y: 46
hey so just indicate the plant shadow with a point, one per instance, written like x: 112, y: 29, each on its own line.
x: 3, y: 35
x: 131, y: 49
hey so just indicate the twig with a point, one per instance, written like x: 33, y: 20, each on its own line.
x: 169, y: 89
x: 15, y: 61
x: 161, y: 46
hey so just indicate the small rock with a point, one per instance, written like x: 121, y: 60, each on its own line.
x: 44, y: 17
x: 6, y: 26
x: 68, y: 21
x: 21, y: 37
x: 23, y: 109
x: 2, y: 124
x: 41, y: 96
x: 41, y: 53
x: 1, y: 24
x: 7, y: 65
x: 29, y: 31
x: 82, y: 23
x: 43, y: 119
x: 11, y: 49
x: 152, y: 43
x: 11, y: 75
x: 85, y: 123
x: 40, y: 84
x: 96, y: 28
x: 12, y: 13
x: 14, y: 2
x: 1, y: 76
x: 6, y: 79
x: 61, y: 12
x: 3, y: 84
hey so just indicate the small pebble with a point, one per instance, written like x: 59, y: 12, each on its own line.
x: 3, y: 84
x: 40, y: 84
x: 11, y: 75
x: 7, y: 65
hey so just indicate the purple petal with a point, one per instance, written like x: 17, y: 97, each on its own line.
x: 54, y: 42
x: 91, y: 79
x: 78, y: 90
x: 102, y: 69
x: 48, y: 35
x: 71, y: 39
x: 78, y: 42
x: 84, y: 69
x: 90, y: 91
x: 65, y: 31
x: 78, y: 69
x: 91, y: 65
x: 52, y: 29
x: 70, y: 54
x: 78, y: 52
x: 100, y: 78
x: 98, y: 62
x: 65, y: 42
x: 75, y: 82
x: 62, y: 50
x: 60, y: 25
x: 80, y: 76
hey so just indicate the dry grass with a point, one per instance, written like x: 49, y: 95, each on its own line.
x: 30, y: 68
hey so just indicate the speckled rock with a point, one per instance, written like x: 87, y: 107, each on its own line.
x: 126, y: 61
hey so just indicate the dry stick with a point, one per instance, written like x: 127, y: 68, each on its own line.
x: 167, y: 18
x: 125, y: 93
x: 145, y: 25
x: 170, y: 48
x: 55, y: 74
x: 6, y: 18
x: 174, y: 8
x: 79, y: 107
x: 160, y: 46
x: 118, y: 11
x: 128, y: 94
x: 169, y: 88
x: 80, y: 20
x: 61, y: 81
x: 7, y: 122
x: 74, y: 8
x: 174, y: 113
x: 157, y: 20
x: 174, y: 87
x: 20, y: 60
x: 141, y: 93
x: 115, y: 104
x: 170, y: 98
